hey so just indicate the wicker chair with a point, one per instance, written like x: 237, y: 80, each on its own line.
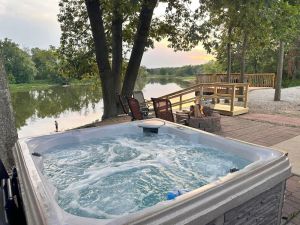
x: 124, y: 103
x: 139, y: 96
x: 135, y: 109
x: 163, y: 109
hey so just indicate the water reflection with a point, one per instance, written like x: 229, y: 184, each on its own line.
x: 163, y: 81
x: 72, y: 106
x: 53, y: 101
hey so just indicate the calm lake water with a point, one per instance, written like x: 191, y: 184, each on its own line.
x: 73, y: 106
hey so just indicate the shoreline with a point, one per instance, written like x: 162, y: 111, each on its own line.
x: 41, y: 85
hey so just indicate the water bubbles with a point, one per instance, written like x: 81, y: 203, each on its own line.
x: 110, y: 177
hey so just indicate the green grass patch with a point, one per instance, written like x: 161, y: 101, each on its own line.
x: 44, y: 84
x: 36, y: 85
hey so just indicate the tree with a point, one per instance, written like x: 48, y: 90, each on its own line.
x: 285, y: 17
x: 246, y: 31
x: 17, y: 62
x: 8, y: 130
x: 293, y: 60
x: 110, y: 29
x: 79, y: 65
x: 47, y: 63
x: 212, y: 67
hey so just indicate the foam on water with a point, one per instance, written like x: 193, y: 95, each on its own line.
x: 109, y: 177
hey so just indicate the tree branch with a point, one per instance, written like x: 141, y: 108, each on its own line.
x: 139, y: 45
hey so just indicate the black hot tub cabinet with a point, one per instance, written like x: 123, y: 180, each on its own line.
x: 253, y: 195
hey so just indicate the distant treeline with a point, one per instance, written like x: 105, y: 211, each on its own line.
x: 25, y: 65
x: 189, y: 70
x: 29, y: 65
x: 176, y: 71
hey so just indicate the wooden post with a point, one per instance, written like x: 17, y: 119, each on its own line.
x: 215, y: 94
x: 232, y: 98
x: 180, y: 102
x: 201, y: 95
x: 214, y: 78
x: 246, y: 96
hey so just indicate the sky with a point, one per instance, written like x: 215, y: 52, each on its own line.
x: 33, y: 23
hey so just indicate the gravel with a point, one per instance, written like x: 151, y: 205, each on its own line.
x: 262, y: 101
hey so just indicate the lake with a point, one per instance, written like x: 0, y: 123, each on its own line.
x: 73, y: 106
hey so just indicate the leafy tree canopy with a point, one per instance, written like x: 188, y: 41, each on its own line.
x: 76, y: 30
x: 111, y: 31
x: 17, y: 62
x: 46, y: 62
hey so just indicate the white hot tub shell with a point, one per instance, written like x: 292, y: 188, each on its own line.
x: 253, y: 195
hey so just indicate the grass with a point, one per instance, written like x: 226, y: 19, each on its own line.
x: 36, y: 85
x: 44, y: 84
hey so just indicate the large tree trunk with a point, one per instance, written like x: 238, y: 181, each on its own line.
x: 139, y: 45
x: 228, y: 59
x: 243, y: 54
x: 243, y: 64
x: 277, y: 95
x: 108, y: 82
x: 229, y: 54
x: 117, y: 21
x: 8, y: 130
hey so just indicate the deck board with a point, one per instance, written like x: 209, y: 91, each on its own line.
x: 225, y: 110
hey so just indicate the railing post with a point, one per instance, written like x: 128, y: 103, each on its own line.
x: 215, y: 94
x: 201, y: 95
x: 180, y: 102
x: 214, y: 78
x: 232, y: 98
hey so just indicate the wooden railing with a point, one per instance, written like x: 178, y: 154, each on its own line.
x: 254, y: 80
x: 214, y: 91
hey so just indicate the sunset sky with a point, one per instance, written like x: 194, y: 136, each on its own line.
x: 33, y: 23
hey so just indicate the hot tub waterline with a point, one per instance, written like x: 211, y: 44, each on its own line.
x: 192, y: 135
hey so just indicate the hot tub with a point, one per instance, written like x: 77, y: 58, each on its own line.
x: 241, y: 184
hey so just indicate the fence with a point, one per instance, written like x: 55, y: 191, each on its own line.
x: 254, y: 80
x: 214, y: 91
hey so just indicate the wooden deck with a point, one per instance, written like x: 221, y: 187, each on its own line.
x: 225, y: 110
x: 269, y: 135
x: 213, y: 93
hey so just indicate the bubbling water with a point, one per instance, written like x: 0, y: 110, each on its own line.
x: 109, y: 177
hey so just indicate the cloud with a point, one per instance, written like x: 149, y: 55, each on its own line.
x: 162, y: 56
x: 31, y: 23
x: 201, y: 57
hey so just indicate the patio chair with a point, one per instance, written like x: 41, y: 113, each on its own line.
x: 3, y: 172
x: 135, y: 109
x: 138, y: 95
x: 163, y: 109
x: 12, y: 211
x: 124, y: 103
